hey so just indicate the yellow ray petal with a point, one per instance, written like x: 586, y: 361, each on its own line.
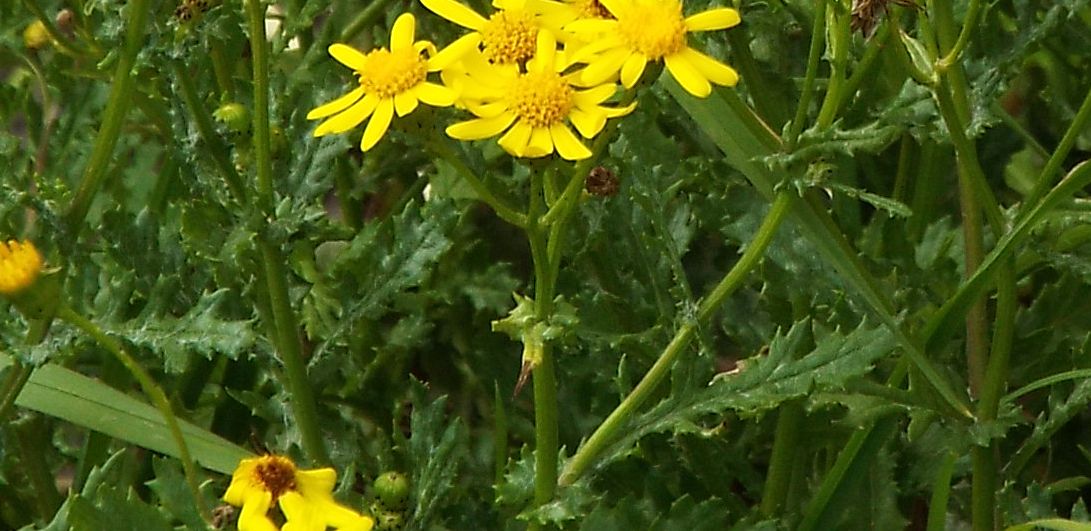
x: 488, y: 110
x: 456, y: 12
x: 405, y: 102
x: 633, y: 69
x: 516, y: 139
x: 712, y: 69
x: 688, y: 76
x: 350, y: 118
x: 604, y: 67
x: 713, y: 19
x: 454, y: 51
x: 617, y: 8
x: 347, y: 55
x: 379, y: 123
x: 337, y: 105
x: 595, y: 95
x: 568, y: 146
x: 480, y: 128
x: 588, y: 122
x: 401, y: 35
x: 540, y: 143
x: 435, y: 95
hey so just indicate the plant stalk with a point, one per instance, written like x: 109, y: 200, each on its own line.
x: 605, y: 434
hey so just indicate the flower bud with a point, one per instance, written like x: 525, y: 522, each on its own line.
x: 35, y: 36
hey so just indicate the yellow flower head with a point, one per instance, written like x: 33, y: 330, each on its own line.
x: 20, y: 265
x: 652, y: 30
x: 533, y: 107
x: 390, y: 81
x: 509, y: 35
x: 305, y: 497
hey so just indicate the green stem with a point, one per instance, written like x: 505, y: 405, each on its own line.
x: 864, y: 67
x: 940, y: 325
x: 1053, y: 165
x: 365, y: 18
x: 607, y: 431
x: 20, y: 372
x: 289, y: 344
x: 818, y: 39
x: 290, y: 349
x: 782, y: 462
x: 500, y: 206
x: 968, y: 24
x: 838, y: 45
x: 116, y: 108
x: 259, y: 52
x: 941, y: 491
x: 31, y: 440
x: 151, y: 390
x: 546, y: 443
x: 207, y: 131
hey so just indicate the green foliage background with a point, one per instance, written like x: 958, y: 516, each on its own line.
x: 804, y: 377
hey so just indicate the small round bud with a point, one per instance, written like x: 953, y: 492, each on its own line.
x: 392, y: 488
x: 234, y: 116
x: 35, y: 36
x: 65, y: 20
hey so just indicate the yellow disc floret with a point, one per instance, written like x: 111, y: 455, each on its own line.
x: 655, y: 28
x: 541, y: 99
x: 386, y: 74
x: 20, y: 265
x: 509, y: 36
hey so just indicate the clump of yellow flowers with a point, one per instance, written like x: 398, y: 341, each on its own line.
x: 530, y: 71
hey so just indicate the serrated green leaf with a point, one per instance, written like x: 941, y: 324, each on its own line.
x: 1056, y: 524
x: 435, y: 452
x: 766, y: 382
x: 200, y: 331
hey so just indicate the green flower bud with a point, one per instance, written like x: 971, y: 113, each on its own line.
x: 234, y: 116
x: 392, y: 488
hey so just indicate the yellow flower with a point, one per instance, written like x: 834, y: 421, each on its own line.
x: 650, y: 30
x: 20, y: 265
x: 305, y: 497
x: 534, y: 106
x: 391, y: 81
x: 35, y: 36
x: 509, y: 35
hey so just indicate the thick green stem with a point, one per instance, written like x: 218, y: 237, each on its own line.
x: 545, y: 383
x: 607, y: 431
x: 289, y: 343
x: 151, y: 390
x: 117, y: 107
x: 968, y: 24
x: 259, y: 56
x: 290, y: 349
x: 782, y: 461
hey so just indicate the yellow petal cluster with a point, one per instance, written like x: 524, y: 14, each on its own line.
x: 304, y: 497
x: 20, y: 265
x: 529, y: 71
x: 390, y: 81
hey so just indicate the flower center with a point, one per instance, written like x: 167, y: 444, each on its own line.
x: 655, y: 28
x: 387, y: 73
x: 541, y: 99
x: 276, y: 474
x: 509, y: 36
x: 20, y: 264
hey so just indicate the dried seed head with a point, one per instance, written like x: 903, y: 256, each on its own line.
x: 602, y: 182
